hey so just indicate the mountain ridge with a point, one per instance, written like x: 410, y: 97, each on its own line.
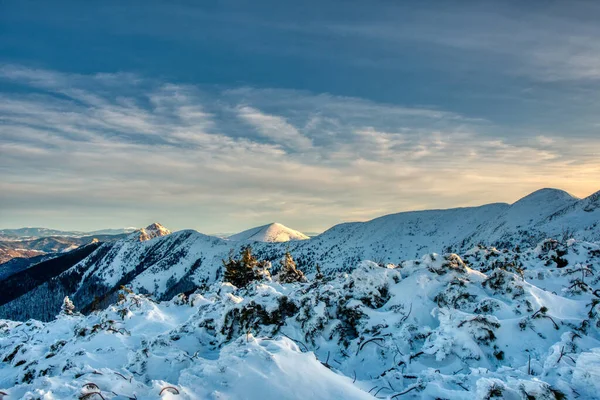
x: 40, y: 232
x: 186, y: 259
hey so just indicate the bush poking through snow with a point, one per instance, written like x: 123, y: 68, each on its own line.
x: 240, y: 272
x: 67, y: 308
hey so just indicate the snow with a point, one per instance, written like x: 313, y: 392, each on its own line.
x: 150, y: 232
x: 492, y: 301
x: 272, y: 233
x: 154, y: 260
x: 440, y: 326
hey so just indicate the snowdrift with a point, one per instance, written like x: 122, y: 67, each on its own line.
x: 505, y: 324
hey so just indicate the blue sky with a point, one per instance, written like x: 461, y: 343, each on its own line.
x: 220, y: 116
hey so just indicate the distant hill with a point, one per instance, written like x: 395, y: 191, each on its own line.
x: 45, y: 232
x: 10, y: 249
x: 271, y: 233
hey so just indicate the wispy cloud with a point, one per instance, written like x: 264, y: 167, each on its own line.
x: 275, y: 128
x: 121, y: 149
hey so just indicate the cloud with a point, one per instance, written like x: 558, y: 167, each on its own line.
x: 275, y: 128
x: 544, y: 43
x: 82, y: 152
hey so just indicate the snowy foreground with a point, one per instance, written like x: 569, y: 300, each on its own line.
x: 492, y: 324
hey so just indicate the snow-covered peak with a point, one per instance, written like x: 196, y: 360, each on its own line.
x: 158, y: 228
x: 546, y: 195
x: 535, y: 207
x: 273, y: 232
x: 150, y: 232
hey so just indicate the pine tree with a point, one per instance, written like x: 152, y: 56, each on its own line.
x: 288, y: 272
x: 319, y: 274
x: 68, y: 308
x: 240, y: 272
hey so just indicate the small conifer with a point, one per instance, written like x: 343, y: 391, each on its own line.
x: 289, y: 272
x: 67, y: 308
x: 240, y: 272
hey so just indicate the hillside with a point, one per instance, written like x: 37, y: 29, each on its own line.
x: 19, y: 264
x: 164, y: 264
x: 21, y: 283
x: 496, y: 324
x: 272, y: 233
x: 26, y: 248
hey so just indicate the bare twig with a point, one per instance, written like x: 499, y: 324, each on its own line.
x: 369, y: 341
x: 380, y: 389
x: 169, y: 389
x: 407, y: 315
x: 415, y: 356
x: 326, y: 363
x: 406, y: 391
x: 551, y: 319
x: 185, y: 353
x: 91, y: 386
x: 122, y: 395
x: 296, y: 341
x: 90, y: 395
x: 122, y: 376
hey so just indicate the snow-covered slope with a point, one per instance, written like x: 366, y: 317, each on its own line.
x: 500, y: 324
x: 272, y: 233
x: 528, y: 218
x: 164, y: 264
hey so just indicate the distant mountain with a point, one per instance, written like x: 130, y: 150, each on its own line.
x: 164, y: 264
x: 37, y: 232
x: 118, y: 231
x: 10, y: 249
x: 272, y: 233
x: 45, y: 232
x: 150, y: 232
x: 32, y: 242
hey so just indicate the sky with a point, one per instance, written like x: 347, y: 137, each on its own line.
x: 224, y: 115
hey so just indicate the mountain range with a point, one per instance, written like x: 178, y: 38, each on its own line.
x: 47, y: 246
x: 155, y: 261
x: 519, y: 323
x: 510, y: 309
x: 30, y: 232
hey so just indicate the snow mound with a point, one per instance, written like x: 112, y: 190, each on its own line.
x: 272, y: 233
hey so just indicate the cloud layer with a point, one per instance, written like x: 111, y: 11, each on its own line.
x: 91, y: 151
